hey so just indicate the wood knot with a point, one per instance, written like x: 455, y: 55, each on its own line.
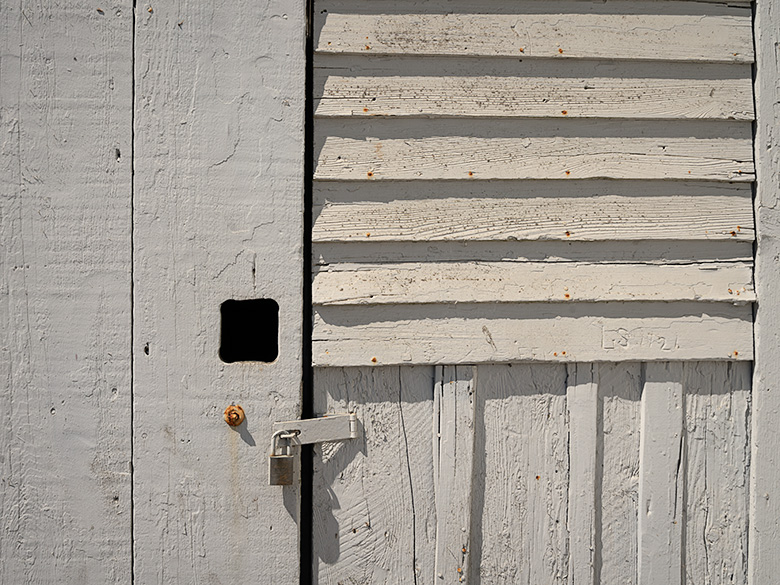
x: 234, y: 415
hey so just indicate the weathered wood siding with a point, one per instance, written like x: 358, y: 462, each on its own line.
x: 612, y: 473
x: 65, y: 309
x: 474, y: 160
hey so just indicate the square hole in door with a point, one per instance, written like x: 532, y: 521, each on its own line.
x: 250, y: 331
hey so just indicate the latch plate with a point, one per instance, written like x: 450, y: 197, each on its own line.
x: 331, y: 427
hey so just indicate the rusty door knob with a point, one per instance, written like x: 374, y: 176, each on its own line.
x: 234, y: 415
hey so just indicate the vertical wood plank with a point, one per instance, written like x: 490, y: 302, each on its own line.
x: 585, y: 456
x: 662, y: 476
x: 374, y: 498
x: 519, y: 534
x: 717, y: 413
x: 455, y: 390
x: 620, y: 386
x: 219, y: 112
x: 764, y: 562
x: 65, y: 165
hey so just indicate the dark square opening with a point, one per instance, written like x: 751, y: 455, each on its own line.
x: 250, y: 331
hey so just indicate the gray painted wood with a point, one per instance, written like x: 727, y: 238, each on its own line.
x: 566, y: 461
x: 764, y: 564
x: 65, y: 163
x: 218, y: 199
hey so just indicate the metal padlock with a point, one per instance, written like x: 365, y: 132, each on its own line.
x: 280, y: 464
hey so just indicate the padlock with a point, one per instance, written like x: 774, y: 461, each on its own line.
x: 280, y: 464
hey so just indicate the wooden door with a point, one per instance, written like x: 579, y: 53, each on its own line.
x: 152, y: 168
x: 533, y: 281
x: 218, y: 196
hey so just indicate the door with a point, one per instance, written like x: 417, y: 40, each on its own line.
x: 533, y: 281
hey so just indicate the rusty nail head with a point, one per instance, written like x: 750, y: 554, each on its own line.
x: 234, y: 415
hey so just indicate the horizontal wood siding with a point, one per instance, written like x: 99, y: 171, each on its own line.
x: 583, y: 473
x: 472, y: 160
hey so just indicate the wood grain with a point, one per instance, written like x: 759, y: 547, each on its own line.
x: 454, y: 402
x: 358, y: 87
x: 764, y: 536
x: 375, y: 513
x: 620, y: 390
x: 218, y: 193
x: 542, y: 149
x: 522, y: 211
x: 662, y: 476
x: 523, y: 453
x: 557, y: 29
x: 585, y: 458
x: 65, y: 224
x: 544, y: 282
x: 717, y: 428
x: 466, y: 333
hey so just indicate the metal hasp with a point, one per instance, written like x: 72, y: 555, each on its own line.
x: 331, y: 427
x: 288, y: 434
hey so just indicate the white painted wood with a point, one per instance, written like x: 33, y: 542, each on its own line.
x: 505, y: 282
x: 454, y: 472
x: 662, y: 476
x: 352, y: 87
x: 620, y: 389
x: 544, y: 149
x: 464, y: 333
x: 374, y: 507
x: 532, y: 211
x: 585, y: 453
x: 65, y: 396
x: 556, y: 29
x: 764, y: 562
x: 218, y: 165
x: 717, y: 427
x: 522, y: 458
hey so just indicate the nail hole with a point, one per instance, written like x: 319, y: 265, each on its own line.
x: 250, y: 331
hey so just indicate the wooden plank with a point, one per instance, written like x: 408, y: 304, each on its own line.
x: 455, y: 402
x: 649, y: 252
x: 544, y: 149
x: 220, y: 99
x: 522, y: 462
x: 584, y: 332
x: 496, y: 211
x: 469, y: 88
x: 507, y: 282
x: 667, y: 31
x: 585, y: 457
x: 65, y: 223
x: 620, y: 386
x: 763, y: 561
x: 662, y: 476
x: 375, y: 511
x: 717, y: 417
